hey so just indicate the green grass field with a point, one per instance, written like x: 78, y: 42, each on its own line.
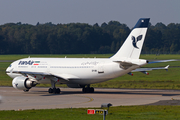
x: 159, y: 79
x: 115, y: 113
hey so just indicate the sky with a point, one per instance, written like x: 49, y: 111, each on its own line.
x: 89, y: 11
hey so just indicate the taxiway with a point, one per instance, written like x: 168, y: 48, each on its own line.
x: 39, y: 98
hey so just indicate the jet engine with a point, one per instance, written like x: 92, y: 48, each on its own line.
x: 23, y: 83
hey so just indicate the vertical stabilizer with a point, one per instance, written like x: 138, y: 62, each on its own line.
x: 132, y: 46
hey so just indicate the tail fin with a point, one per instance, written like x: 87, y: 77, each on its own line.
x: 132, y: 46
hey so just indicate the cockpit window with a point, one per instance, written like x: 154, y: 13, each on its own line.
x: 10, y: 65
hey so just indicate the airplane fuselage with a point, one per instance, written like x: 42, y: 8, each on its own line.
x: 80, y: 70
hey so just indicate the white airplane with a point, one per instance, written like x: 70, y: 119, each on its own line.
x: 81, y: 72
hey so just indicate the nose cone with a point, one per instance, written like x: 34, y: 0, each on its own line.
x: 8, y: 69
x: 8, y: 72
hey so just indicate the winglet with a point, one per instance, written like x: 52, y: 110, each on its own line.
x: 166, y: 68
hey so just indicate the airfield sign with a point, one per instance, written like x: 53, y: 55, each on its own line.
x: 97, y: 111
x: 90, y: 111
x: 100, y: 111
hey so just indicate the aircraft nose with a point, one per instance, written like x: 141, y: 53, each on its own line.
x: 7, y: 70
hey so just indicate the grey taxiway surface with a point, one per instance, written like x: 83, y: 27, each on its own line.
x: 39, y: 98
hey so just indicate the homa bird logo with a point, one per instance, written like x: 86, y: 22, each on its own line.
x: 16, y: 84
x: 135, y: 40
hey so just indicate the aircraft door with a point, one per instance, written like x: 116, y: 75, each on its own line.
x: 101, y: 68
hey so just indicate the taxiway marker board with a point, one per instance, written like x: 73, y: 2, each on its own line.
x: 90, y: 111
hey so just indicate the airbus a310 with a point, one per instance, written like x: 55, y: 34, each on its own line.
x: 81, y: 72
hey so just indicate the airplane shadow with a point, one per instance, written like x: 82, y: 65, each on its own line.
x: 128, y: 92
x: 139, y: 93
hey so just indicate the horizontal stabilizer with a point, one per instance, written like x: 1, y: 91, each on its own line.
x: 149, y: 69
x: 160, y: 61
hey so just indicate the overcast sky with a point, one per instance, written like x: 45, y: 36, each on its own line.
x: 89, y: 11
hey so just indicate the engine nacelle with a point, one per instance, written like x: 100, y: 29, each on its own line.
x: 75, y: 86
x: 23, y: 83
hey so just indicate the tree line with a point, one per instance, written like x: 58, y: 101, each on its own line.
x: 82, y: 38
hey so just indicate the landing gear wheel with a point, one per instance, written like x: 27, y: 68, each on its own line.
x: 50, y: 90
x: 84, y: 90
x: 88, y: 90
x: 54, y: 90
x: 91, y: 90
x: 58, y: 90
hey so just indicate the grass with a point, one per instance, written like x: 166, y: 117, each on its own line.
x: 159, y: 79
x: 115, y: 113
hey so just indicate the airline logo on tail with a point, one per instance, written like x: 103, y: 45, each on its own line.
x: 135, y: 40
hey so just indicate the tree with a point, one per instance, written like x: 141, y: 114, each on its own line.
x: 18, y: 38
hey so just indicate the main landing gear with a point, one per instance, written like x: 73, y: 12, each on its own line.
x: 87, y: 89
x: 54, y: 89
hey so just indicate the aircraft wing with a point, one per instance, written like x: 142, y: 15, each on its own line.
x: 54, y: 77
x: 25, y: 73
x: 158, y: 68
x: 126, y: 65
x: 66, y: 77
x: 144, y: 70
